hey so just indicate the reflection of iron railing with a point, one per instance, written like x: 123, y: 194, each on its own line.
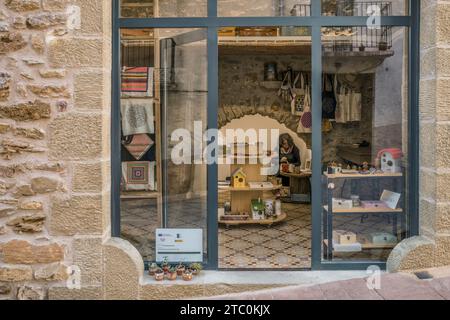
x: 354, y: 38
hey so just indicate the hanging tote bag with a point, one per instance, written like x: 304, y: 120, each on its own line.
x: 328, y: 100
x: 298, y: 96
x: 305, y: 124
x: 285, y: 91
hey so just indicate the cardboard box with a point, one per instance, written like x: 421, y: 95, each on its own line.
x: 342, y: 203
x: 344, y: 237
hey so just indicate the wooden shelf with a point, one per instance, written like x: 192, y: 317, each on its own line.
x: 369, y: 246
x: 248, y: 189
x: 365, y: 210
x: 267, y: 222
x: 130, y: 195
x: 362, y: 176
x: 291, y: 45
x: 303, y: 174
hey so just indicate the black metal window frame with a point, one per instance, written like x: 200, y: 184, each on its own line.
x: 316, y: 22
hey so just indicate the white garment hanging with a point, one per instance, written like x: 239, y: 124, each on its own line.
x: 355, y: 106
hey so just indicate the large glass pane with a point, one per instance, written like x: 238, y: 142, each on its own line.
x: 364, y: 8
x: 164, y: 91
x: 162, y: 8
x: 265, y: 169
x: 365, y: 151
x: 263, y: 8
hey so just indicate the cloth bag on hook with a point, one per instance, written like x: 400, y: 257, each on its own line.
x: 299, y: 95
x: 305, y: 123
x: 285, y: 91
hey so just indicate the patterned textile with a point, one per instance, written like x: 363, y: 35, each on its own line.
x: 139, y: 145
x: 137, y: 116
x: 137, y: 82
x: 138, y: 176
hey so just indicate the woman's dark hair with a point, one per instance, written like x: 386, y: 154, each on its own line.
x: 288, y: 138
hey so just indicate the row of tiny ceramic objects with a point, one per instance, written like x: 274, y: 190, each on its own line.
x: 170, y: 272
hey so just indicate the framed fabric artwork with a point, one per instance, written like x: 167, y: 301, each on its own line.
x: 138, y: 176
x: 137, y: 116
x: 137, y: 82
x: 138, y: 145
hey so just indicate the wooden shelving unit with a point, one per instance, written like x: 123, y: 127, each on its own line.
x: 329, y: 212
x: 135, y: 195
x: 248, y: 189
x: 361, y: 210
x: 241, y: 198
x: 370, y: 246
x: 267, y: 222
x: 362, y: 176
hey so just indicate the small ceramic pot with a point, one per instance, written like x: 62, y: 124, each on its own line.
x: 166, y: 269
x: 172, y: 276
x: 152, y: 271
x: 180, y: 270
x: 187, y: 275
x: 195, y: 272
x: 159, y: 276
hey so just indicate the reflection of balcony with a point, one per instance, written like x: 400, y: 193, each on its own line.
x: 360, y: 37
x: 339, y: 54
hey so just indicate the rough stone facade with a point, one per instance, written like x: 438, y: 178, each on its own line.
x: 55, y: 66
x: 432, y: 247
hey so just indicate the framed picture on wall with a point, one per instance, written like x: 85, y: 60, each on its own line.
x: 308, y: 165
x: 137, y: 82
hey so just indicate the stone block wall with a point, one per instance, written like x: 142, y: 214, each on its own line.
x: 432, y: 247
x: 55, y: 66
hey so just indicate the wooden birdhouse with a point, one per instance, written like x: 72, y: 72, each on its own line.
x: 390, y: 160
x: 238, y: 179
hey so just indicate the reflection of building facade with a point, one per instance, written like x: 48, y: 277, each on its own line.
x: 56, y: 122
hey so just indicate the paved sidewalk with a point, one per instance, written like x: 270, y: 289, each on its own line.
x: 399, y: 286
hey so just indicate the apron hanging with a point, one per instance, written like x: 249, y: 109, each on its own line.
x: 328, y: 100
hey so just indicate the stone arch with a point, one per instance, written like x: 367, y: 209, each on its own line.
x: 275, y: 111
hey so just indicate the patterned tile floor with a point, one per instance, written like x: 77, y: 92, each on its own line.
x: 282, y: 246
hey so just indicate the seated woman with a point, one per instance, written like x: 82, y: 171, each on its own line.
x: 289, y: 153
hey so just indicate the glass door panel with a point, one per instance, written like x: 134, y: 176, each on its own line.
x: 365, y: 153
x: 163, y: 99
x: 265, y: 125
x: 184, y: 90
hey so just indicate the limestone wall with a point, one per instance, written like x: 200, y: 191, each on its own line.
x: 55, y: 62
x: 432, y: 247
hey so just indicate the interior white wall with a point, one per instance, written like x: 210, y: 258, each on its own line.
x: 261, y: 122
